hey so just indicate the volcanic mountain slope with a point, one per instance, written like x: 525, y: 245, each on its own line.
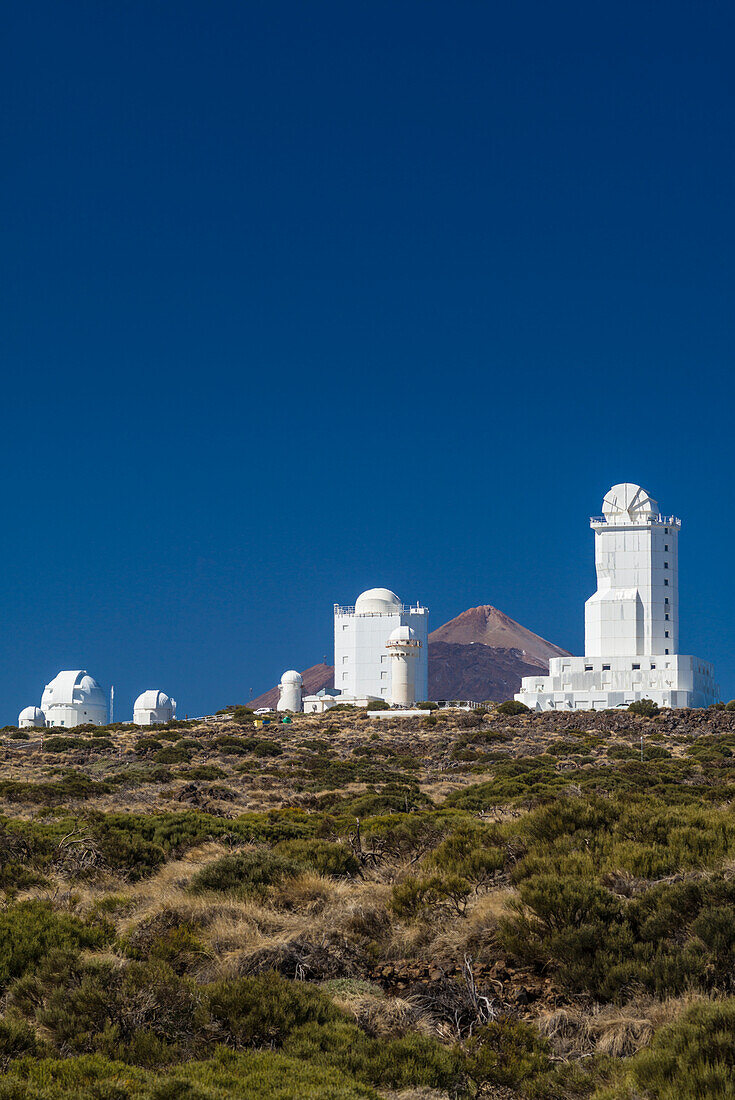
x: 487, y: 625
x: 482, y: 654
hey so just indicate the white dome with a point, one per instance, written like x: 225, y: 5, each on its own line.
x: 31, y: 716
x: 71, y: 689
x: 292, y: 677
x: 402, y: 634
x: 628, y: 501
x: 152, y: 700
x: 377, y: 601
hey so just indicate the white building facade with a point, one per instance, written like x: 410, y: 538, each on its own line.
x: 404, y: 652
x: 74, y: 698
x: 361, y: 659
x: 631, y: 621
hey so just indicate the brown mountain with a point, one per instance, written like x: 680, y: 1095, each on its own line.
x: 476, y: 672
x: 493, y: 628
x: 482, y: 654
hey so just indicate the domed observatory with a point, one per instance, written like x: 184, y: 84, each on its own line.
x: 31, y: 716
x: 290, y: 692
x: 153, y: 707
x: 361, y: 660
x: 74, y: 699
x: 631, y: 641
x: 403, y: 650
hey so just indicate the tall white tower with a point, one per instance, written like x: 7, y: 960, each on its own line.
x: 631, y: 622
x: 403, y: 649
x: 635, y: 610
x: 290, y: 691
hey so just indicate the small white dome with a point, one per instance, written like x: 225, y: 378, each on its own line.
x: 152, y: 700
x: 377, y: 601
x: 402, y: 634
x: 31, y: 716
x: 292, y: 677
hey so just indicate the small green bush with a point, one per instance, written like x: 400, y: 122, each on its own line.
x: 646, y: 708
x: 322, y: 856
x: 511, y: 707
x: 244, y: 873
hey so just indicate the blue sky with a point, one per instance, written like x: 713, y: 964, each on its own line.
x: 298, y: 299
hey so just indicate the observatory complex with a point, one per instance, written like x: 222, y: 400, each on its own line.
x: 631, y: 621
x: 380, y: 654
x: 75, y: 698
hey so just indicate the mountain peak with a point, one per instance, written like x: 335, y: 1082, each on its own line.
x: 489, y: 626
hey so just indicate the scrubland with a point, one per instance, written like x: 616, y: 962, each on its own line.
x: 455, y: 906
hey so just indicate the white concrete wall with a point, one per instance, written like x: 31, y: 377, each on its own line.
x: 81, y: 715
x: 585, y: 683
x: 361, y: 661
x: 290, y: 697
x: 635, y: 610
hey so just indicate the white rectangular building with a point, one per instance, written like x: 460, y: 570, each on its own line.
x: 362, y: 665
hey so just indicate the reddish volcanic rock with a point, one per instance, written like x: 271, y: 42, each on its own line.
x: 491, y: 627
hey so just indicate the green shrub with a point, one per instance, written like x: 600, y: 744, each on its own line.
x: 646, y: 708
x: 244, y: 873
x: 691, y: 1058
x: 30, y: 930
x: 511, y: 707
x: 322, y: 856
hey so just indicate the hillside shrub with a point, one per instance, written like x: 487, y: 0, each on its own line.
x: 322, y: 856
x: 30, y: 930
x: 646, y: 708
x: 245, y: 873
x: 511, y: 707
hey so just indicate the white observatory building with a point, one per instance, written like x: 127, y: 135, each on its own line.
x: 631, y: 621
x: 74, y: 699
x: 31, y: 716
x: 290, y: 691
x: 153, y: 707
x: 404, y: 650
x: 361, y: 659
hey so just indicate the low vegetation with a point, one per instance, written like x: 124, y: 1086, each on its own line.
x: 453, y: 906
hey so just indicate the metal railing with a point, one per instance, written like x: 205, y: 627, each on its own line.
x: 399, y: 609
x: 665, y: 521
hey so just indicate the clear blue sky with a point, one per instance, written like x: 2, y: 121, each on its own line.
x: 302, y: 298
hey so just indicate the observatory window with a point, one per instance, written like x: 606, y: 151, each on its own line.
x: 384, y: 676
x: 344, y: 675
x: 666, y: 616
x: 605, y: 668
x: 666, y: 565
x: 666, y: 530
x: 666, y: 599
x: 344, y: 660
x: 666, y: 651
x: 666, y: 580
x: 666, y: 633
x: 653, y: 667
x: 636, y: 666
x: 588, y: 668
x: 666, y: 546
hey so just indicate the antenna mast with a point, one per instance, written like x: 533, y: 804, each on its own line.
x: 112, y: 703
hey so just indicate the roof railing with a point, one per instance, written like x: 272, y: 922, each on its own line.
x: 399, y: 609
x: 652, y: 519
